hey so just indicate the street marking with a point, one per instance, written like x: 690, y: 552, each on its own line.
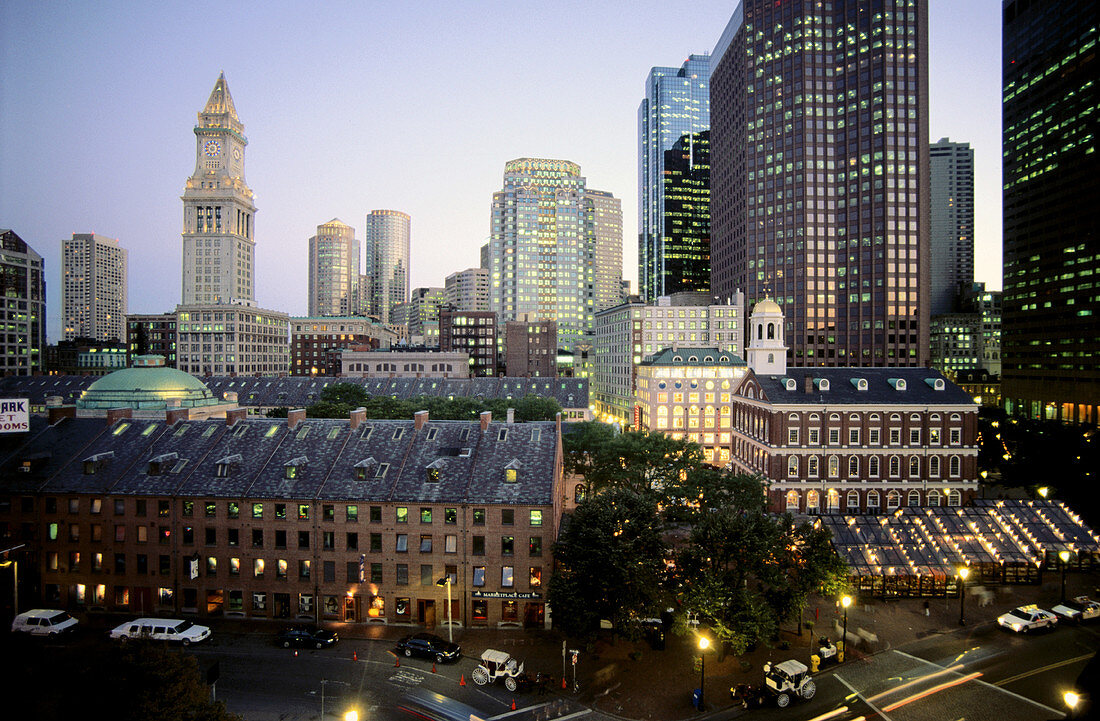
x: 506, y: 714
x: 830, y: 714
x: 1033, y: 702
x: 1048, y: 667
x: 861, y: 697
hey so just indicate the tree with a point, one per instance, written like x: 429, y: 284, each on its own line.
x: 641, y: 460
x: 610, y: 562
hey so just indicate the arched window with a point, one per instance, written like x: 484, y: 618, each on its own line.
x: 834, y: 466
x: 853, y: 467
x: 851, y: 503
x: 792, y: 501
x: 893, y: 500
x: 872, y: 500
x: 792, y: 466
x: 872, y: 466
x: 578, y: 493
x: 954, y: 498
x: 811, y: 467
x: 771, y: 331
x: 954, y: 467
x: 934, y: 467
x: 813, y: 501
x: 914, y: 498
x: 833, y: 499
x: 914, y: 466
x: 771, y: 358
x: 934, y: 498
x: 760, y: 332
x: 895, y: 466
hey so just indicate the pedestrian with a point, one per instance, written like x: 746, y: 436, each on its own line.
x: 926, y: 612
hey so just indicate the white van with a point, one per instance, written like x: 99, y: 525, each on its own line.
x: 162, y: 629
x: 44, y: 622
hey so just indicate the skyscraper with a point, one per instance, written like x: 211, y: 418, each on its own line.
x: 1051, y: 322
x: 674, y: 180
x: 334, y: 270
x: 546, y: 232
x: 218, y: 246
x: 23, y: 312
x: 93, y: 288
x: 467, y: 289
x: 819, y: 174
x: 603, y: 225
x: 386, y: 256
x: 951, y: 212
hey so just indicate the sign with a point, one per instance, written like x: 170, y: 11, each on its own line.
x: 15, y: 415
x: 575, y: 653
x: 519, y: 595
x: 193, y: 567
x: 362, y: 567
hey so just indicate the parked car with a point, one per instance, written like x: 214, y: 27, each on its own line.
x: 1027, y: 618
x: 306, y: 637
x: 430, y: 646
x: 1078, y: 609
x: 161, y: 629
x: 47, y: 622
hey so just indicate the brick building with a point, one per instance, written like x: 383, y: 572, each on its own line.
x: 315, y: 343
x: 472, y: 332
x: 531, y: 348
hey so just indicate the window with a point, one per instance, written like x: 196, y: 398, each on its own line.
x: 402, y: 543
x: 211, y: 566
x: 233, y: 509
x: 914, y: 467
x: 893, y: 501
x: 578, y: 493
x: 479, y: 516
x: 536, y: 518
x: 351, y: 541
x: 534, y: 548
x: 376, y: 514
x: 954, y: 467
x: 873, y: 436
x: 280, y: 539
x: 402, y: 514
x: 211, y: 509
x: 834, y: 466
x: 450, y: 516
x: 425, y: 515
x: 934, y: 436
x: 211, y: 536
x: 955, y: 436
x: 188, y: 535
x: 257, y: 538
x: 853, y: 436
x: 280, y: 511
x: 351, y: 514
x: 507, y: 577
x: 328, y: 512
x: 895, y: 466
x: 872, y: 500
x: 535, y: 578
x: 954, y: 498
x: 507, y: 516
x: 426, y: 544
x: 934, y: 468
x: 914, y: 498
x: 895, y: 436
x: 450, y: 543
x: 851, y: 501
x: 427, y: 578
x: 259, y: 601
x: 162, y: 509
x: 480, y: 610
x: 507, y: 545
x: 792, y: 466
x: 328, y: 540
x: 303, y: 539
x: 479, y: 576
x: 303, y: 511
x: 477, y: 546
x: 280, y: 568
x: 872, y: 466
x: 376, y: 542
x: 914, y: 436
x: 792, y: 436
x: 234, y: 566
x: 376, y: 573
x: 402, y: 574
x: 834, y: 436
x: 257, y: 510
x: 303, y: 568
x: 812, y: 467
x: 853, y: 466
x: 814, y: 436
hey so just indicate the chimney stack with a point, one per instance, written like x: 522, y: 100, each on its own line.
x: 117, y: 414
x: 486, y: 419
x: 234, y: 415
x: 809, y: 384
x: 419, y: 419
x: 358, y: 416
x: 294, y: 417
x: 174, y: 415
x: 511, y: 416
x: 56, y: 413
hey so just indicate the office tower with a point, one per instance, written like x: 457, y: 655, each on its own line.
x: 674, y: 180
x: 386, y: 256
x: 546, y: 232
x: 23, y: 309
x: 604, y: 234
x: 473, y: 332
x: 951, y: 214
x: 1051, y: 343
x: 969, y: 338
x: 467, y: 289
x: 422, y: 315
x: 334, y: 270
x: 819, y: 174
x: 93, y: 288
x: 218, y: 245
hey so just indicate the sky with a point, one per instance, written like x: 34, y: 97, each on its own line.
x: 353, y: 106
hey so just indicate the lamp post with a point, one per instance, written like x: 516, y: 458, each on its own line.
x: 446, y: 581
x: 15, y: 575
x: 964, y: 572
x: 704, y: 643
x: 845, y: 601
x: 1064, y: 557
x: 1072, y: 700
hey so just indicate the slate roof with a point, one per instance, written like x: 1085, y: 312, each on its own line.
x: 300, y: 392
x: 881, y: 390
x: 692, y: 356
x: 150, y: 457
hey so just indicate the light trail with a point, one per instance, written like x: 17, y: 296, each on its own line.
x: 934, y: 690
x: 915, y: 681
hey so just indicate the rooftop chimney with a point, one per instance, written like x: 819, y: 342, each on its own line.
x: 234, y: 415
x: 294, y: 417
x: 174, y: 415
x: 357, y: 416
x: 419, y: 419
x: 117, y: 414
x: 486, y: 418
x: 809, y: 384
x: 56, y: 413
x: 511, y: 417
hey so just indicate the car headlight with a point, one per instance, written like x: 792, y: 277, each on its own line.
x: 1017, y: 626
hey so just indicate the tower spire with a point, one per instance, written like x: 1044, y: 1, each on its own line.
x: 220, y: 101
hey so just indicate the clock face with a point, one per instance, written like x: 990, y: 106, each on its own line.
x: 236, y: 153
x: 211, y: 148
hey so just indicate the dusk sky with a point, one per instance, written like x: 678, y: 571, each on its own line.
x: 349, y: 107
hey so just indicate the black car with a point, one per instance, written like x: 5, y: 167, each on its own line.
x: 429, y: 646
x: 306, y: 638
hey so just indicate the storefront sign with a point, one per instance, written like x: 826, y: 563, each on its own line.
x: 506, y: 595
x: 14, y: 415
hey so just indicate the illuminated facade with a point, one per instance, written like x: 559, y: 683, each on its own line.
x: 687, y: 393
x: 603, y: 225
x: 334, y: 270
x: 819, y: 174
x: 467, y: 289
x: 218, y: 227
x: 316, y: 343
x: 93, y: 288
x: 674, y: 180
x: 951, y: 213
x: 1051, y: 183
x: 23, y: 312
x: 386, y: 248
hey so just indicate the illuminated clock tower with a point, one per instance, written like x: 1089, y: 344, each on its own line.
x: 218, y: 214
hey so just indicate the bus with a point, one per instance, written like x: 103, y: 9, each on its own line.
x: 423, y: 704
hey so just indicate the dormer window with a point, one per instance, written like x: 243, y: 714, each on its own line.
x: 936, y: 384
x: 511, y: 472
x: 93, y: 464
x: 363, y: 468
x: 433, y: 475
x: 431, y: 434
x: 897, y: 383
x: 789, y: 384
x: 434, y: 471
x: 860, y: 383
x: 161, y: 463
x: 292, y: 468
x: 823, y: 384
x: 365, y: 435
x: 380, y: 473
x: 398, y: 433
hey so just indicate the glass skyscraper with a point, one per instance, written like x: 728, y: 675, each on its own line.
x: 333, y: 270
x: 1051, y: 315
x: 386, y: 256
x: 674, y: 180
x: 819, y: 174
x: 951, y: 212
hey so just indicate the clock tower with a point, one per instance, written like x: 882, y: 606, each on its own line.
x: 218, y: 214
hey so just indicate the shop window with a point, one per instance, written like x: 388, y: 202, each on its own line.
x: 509, y: 611
x: 479, y: 609
x: 402, y: 608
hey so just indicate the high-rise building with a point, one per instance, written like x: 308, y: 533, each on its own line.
x: 334, y: 270
x: 951, y: 214
x: 1051, y: 361
x: 467, y: 289
x: 819, y: 174
x: 93, y: 288
x: 603, y: 223
x: 547, y: 230
x: 386, y: 257
x: 152, y: 334
x: 23, y: 310
x: 422, y: 315
x: 674, y: 180
x: 218, y: 246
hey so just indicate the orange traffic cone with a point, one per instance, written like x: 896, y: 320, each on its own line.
x: 462, y: 681
x: 563, y: 683
x: 433, y: 666
x: 513, y: 705
x: 354, y: 655
x: 396, y: 661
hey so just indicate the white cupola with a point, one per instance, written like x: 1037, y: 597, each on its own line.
x: 766, y: 351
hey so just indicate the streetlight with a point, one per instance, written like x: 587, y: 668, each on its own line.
x: 704, y: 643
x: 1064, y: 557
x: 1072, y: 700
x: 845, y: 601
x: 15, y: 574
x: 964, y: 572
x: 1044, y: 491
x: 351, y: 716
x: 446, y: 581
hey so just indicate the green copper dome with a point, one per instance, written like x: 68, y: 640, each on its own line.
x: 147, y: 385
